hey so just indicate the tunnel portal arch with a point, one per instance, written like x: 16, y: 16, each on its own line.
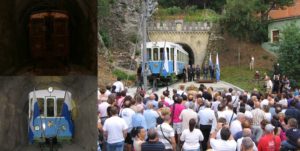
x: 189, y: 50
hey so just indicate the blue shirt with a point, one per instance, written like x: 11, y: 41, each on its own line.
x: 150, y: 117
x: 139, y: 120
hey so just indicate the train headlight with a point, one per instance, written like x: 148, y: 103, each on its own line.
x: 50, y: 89
x: 36, y: 128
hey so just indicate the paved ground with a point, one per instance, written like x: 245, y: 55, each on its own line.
x: 216, y: 86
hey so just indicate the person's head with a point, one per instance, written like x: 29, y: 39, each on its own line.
x: 192, y: 124
x: 178, y: 100
x: 118, y: 78
x: 160, y: 104
x: 111, y: 99
x: 191, y: 105
x: 113, y: 110
x: 127, y: 103
x: 241, y: 117
x: 263, y: 124
x: 102, y: 90
x: 150, y: 105
x: 152, y: 96
x: 166, y: 93
x: 152, y: 135
x: 225, y: 133
x: 181, y: 87
x: 246, y: 124
x: 190, y: 97
x: 269, y: 128
x: 292, y: 123
x: 108, y: 87
x: 247, y: 144
x: 222, y: 120
x: 247, y: 132
x: 138, y: 132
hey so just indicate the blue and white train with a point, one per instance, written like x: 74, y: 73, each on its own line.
x: 49, y: 117
x: 166, y: 55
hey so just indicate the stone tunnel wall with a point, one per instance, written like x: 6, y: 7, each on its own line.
x: 14, y: 42
x: 14, y: 109
x: 195, y: 35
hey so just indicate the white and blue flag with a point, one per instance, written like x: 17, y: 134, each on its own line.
x: 218, y: 72
x: 165, y: 70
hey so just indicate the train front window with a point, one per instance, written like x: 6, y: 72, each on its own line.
x: 155, y: 54
x: 172, y: 53
x: 149, y: 53
x: 59, y: 104
x: 50, y: 107
x: 161, y: 52
x: 168, y: 53
x: 40, y: 102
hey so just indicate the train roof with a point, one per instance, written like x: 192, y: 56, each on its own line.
x: 43, y: 93
x: 165, y: 43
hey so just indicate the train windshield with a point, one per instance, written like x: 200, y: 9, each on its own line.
x: 41, y: 106
x: 60, y: 103
x: 50, y: 107
x: 149, y: 54
x: 155, y: 54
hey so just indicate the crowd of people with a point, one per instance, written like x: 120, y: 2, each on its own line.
x: 198, y: 119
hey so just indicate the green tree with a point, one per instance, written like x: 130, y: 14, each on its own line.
x: 247, y: 19
x: 289, y: 51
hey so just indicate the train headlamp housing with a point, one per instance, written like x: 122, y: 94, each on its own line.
x: 63, y: 127
x: 36, y: 128
x: 50, y: 89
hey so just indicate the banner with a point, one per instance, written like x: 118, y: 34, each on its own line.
x: 218, y: 72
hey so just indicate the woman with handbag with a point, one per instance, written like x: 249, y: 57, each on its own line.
x: 165, y: 132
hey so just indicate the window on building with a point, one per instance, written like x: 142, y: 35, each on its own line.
x: 275, y: 36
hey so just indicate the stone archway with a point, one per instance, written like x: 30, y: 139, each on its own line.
x: 189, y: 50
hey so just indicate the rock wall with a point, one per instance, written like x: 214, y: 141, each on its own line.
x: 14, y: 110
x: 122, y: 24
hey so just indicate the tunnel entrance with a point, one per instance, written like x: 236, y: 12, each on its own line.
x: 75, y: 37
x: 189, y: 50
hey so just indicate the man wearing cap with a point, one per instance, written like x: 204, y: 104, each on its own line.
x: 269, y: 141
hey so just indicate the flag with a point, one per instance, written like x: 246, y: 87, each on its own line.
x: 166, y: 62
x: 217, y: 68
x: 210, y: 63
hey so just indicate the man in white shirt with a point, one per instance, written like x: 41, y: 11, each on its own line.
x: 236, y: 125
x: 207, y: 121
x: 102, y: 110
x: 119, y: 85
x: 115, y: 130
x: 188, y: 114
x: 226, y: 143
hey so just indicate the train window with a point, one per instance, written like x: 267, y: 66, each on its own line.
x: 40, y: 102
x: 50, y: 107
x: 155, y: 54
x: 172, y: 53
x: 149, y: 53
x: 59, y: 106
x: 168, y: 53
x: 162, y: 53
x: 37, y: 27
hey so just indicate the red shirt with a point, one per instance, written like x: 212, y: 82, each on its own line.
x: 269, y: 142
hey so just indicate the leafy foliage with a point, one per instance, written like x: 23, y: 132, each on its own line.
x: 241, y: 20
x: 289, y: 51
